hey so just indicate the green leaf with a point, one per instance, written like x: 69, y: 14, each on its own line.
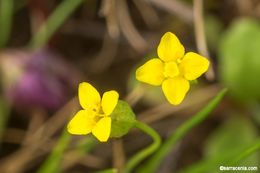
x: 155, y: 161
x: 52, y: 164
x: 225, y: 139
x: 57, y: 18
x: 239, y: 59
x: 108, y: 171
x: 225, y: 144
x: 123, y: 119
x: 231, y: 158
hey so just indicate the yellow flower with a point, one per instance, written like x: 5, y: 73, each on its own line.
x: 95, y: 116
x: 173, y: 69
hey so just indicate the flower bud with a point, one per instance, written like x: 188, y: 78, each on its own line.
x: 36, y: 79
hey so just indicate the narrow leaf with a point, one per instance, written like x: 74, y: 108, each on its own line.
x: 155, y: 161
x: 108, y: 171
x: 52, y: 164
x: 59, y: 16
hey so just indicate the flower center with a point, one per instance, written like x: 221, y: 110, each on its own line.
x: 171, y: 70
x: 99, y: 113
x: 95, y: 108
x: 179, y: 60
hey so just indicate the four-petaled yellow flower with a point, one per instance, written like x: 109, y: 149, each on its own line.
x: 173, y: 70
x: 95, y: 116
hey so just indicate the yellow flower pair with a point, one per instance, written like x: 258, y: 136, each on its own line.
x: 173, y: 71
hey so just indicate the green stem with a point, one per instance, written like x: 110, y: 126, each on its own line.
x: 46, y: 31
x: 133, y: 162
x: 6, y: 15
x: 255, y: 147
x: 167, y: 146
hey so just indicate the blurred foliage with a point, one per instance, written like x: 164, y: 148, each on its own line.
x: 231, y: 144
x: 155, y: 161
x: 52, y: 164
x: 239, y: 62
x: 213, y: 29
x: 235, y: 134
x: 85, y: 145
x: 6, y: 15
x: 4, y: 113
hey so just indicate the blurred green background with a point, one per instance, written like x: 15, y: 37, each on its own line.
x: 48, y: 47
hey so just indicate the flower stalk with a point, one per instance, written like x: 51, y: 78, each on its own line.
x: 136, y: 159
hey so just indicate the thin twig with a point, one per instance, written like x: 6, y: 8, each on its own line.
x: 127, y: 27
x: 73, y: 157
x: 135, y: 95
x: 118, y: 154
x: 200, y: 35
x: 86, y: 160
x: 13, y: 135
x: 175, y: 7
x: 108, y: 10
x: 17, y: 161
x: 162, y: 111
x: 37, y: 118
x: 245, y: 7
x: 106, y: 56
x: 148, y: 13
x: 58, y: 120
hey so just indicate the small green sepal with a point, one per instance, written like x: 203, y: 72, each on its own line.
x: 123, y: 119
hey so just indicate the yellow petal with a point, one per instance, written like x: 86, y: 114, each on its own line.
x: 175, y: 89
x: 82, y: 123
x: 109, y: 101
x: 88, y: 96
x: 151, y: 72
x: 102, y: 129
x: 170, y: 48
x: 193, y: 65
x: 171, y: 69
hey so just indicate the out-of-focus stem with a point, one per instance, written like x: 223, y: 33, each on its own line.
x: 200, y: 35
x: 6, y: 15
x: 46, y: 31
x: 118, y: 154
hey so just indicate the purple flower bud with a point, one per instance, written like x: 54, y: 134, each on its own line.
x: 38, y: 79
